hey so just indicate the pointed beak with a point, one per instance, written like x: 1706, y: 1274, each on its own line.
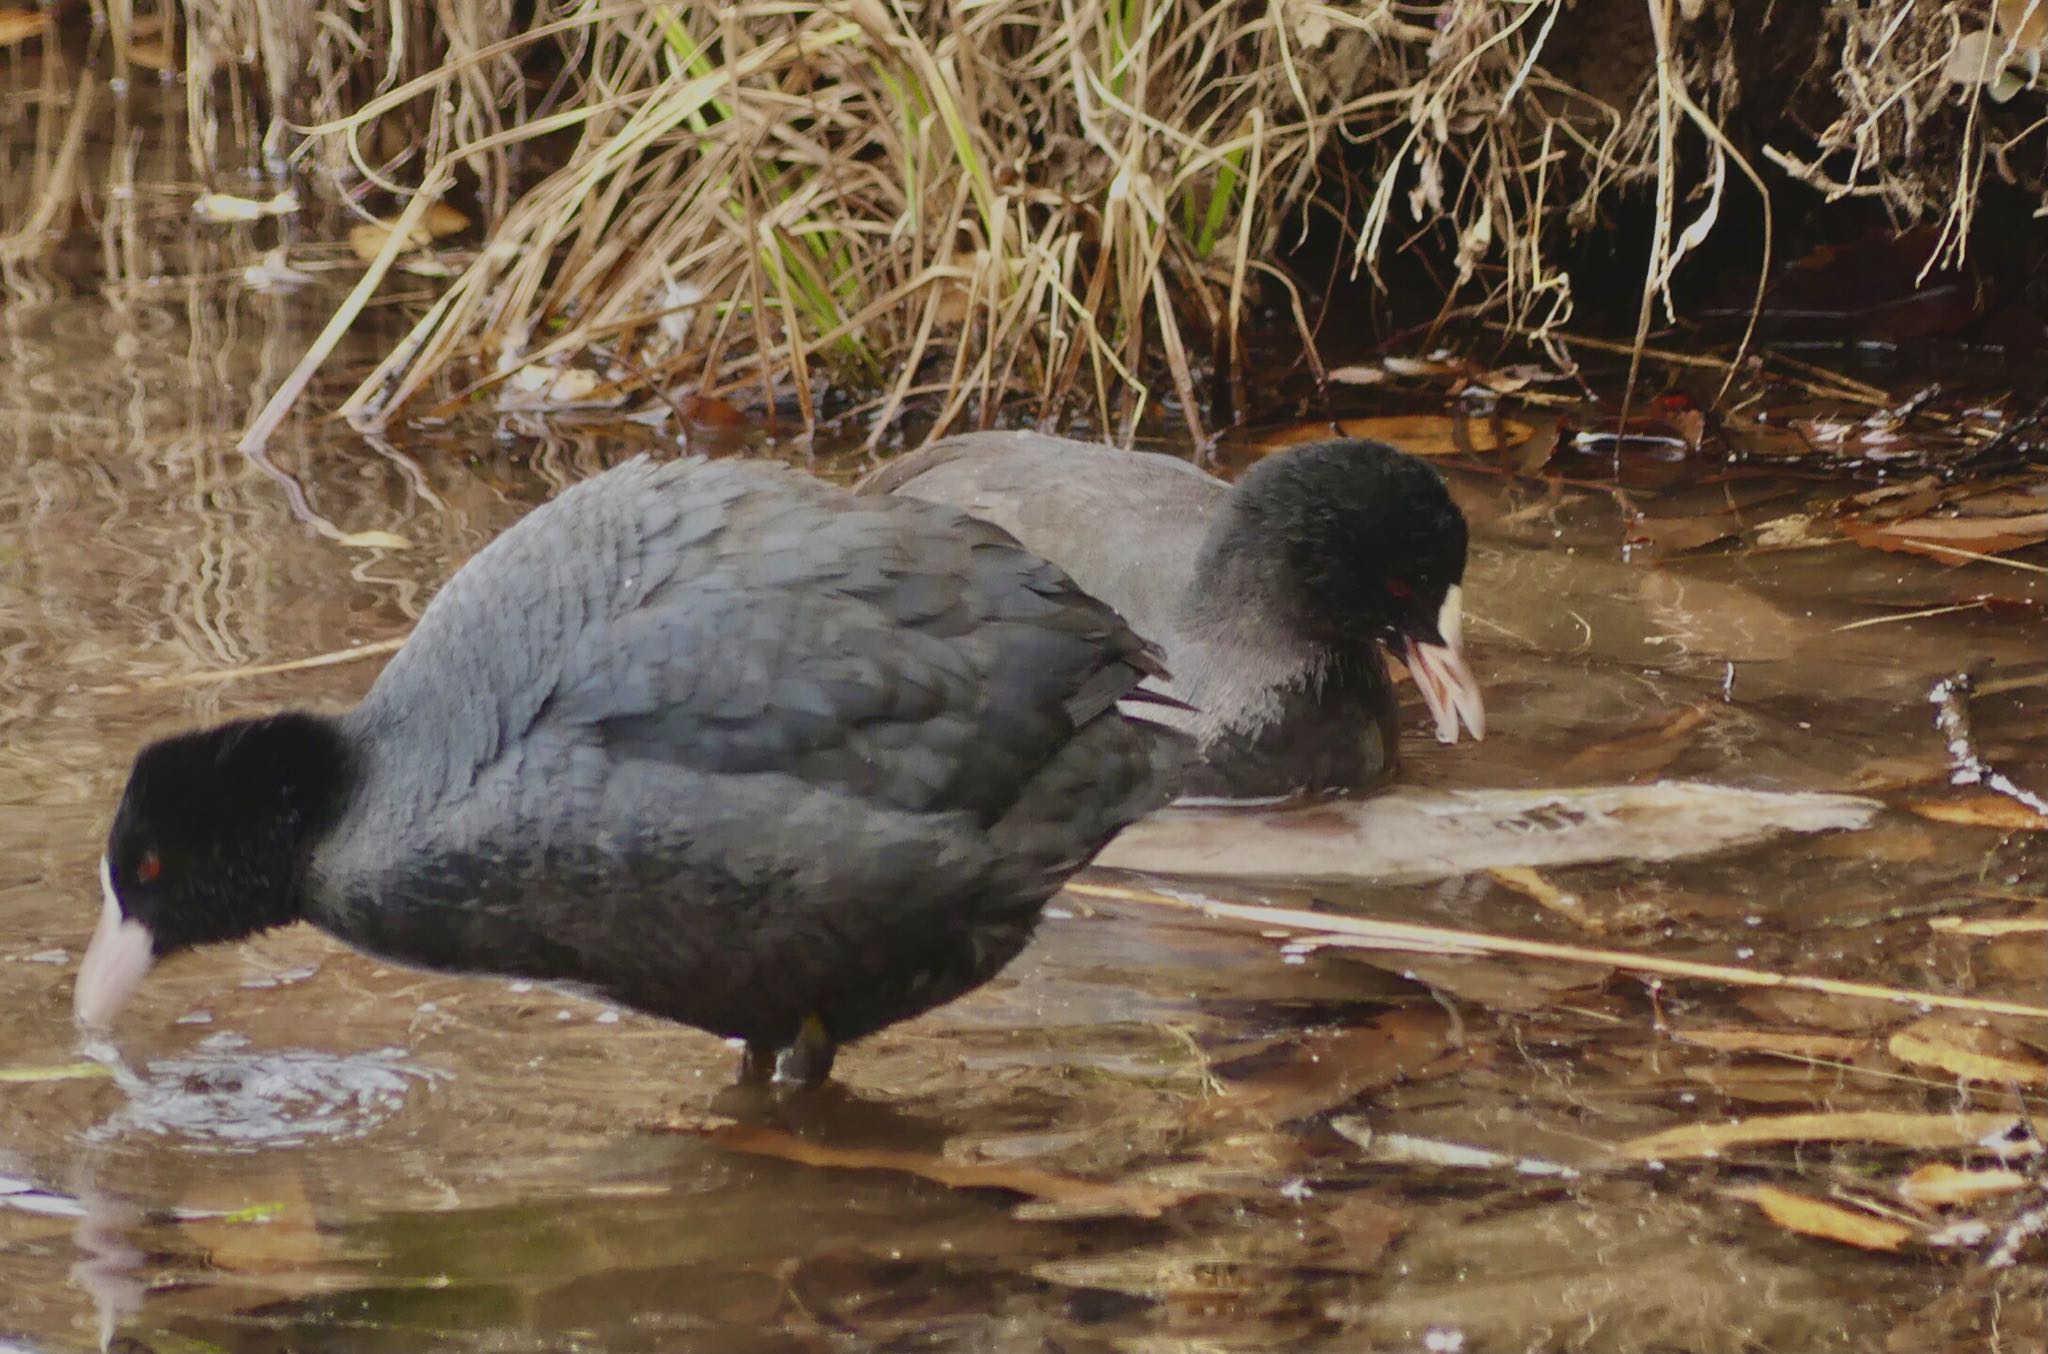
x: 115, y: 963
x: 1447, y: 685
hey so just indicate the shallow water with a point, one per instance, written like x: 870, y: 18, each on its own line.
x: 301, y: 1148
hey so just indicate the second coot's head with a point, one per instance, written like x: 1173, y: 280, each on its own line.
x: 1358, y: 543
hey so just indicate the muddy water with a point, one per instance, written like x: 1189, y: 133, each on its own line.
x: 300, y: 1148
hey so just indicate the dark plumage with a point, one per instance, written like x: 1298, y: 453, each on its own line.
x: 720, y: 743
x: 1272, y: 598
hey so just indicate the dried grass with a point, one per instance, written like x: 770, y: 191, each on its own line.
x: 1036, y: 199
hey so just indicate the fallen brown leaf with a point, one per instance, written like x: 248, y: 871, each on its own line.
x: 366, y: 240
x: 1437, y: 434
x: 1971, y: 1052
x: 257, y: 1226
x: 1643, y: 752
x: 1548, y: 896
x: 1926, y: 1132
x: 1830, y: 1222
x: 1830, y: 1047
x: 1076, y: 1196
x: 1937, y: 1185
x: 19, y: 25
x: 1950, y: 538
x: 1676, y: 535
x: 1359, y: 1230
x: 1983, y: 809
x: 1989, y: 928
x: 1416, y: 434
x: 1328, y: 1068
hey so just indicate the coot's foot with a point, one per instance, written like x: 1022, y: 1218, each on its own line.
x: 808, y: 1059
x: 805, y: 1061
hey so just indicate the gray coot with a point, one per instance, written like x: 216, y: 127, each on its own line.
x: 1271, y: 598
x: 716, y: 742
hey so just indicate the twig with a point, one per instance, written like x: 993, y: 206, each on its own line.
x: 1951, y: 700
x: 258, y: 435
x: 1367, y: 933
x: 213, y: 676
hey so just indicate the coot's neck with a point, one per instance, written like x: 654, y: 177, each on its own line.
x: 301, y: 778
x: 1245, y: 640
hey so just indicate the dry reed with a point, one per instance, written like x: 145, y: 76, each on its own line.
x: 1047, y: 199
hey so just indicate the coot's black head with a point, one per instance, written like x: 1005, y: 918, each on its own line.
x: 1369, y: 549
x: 211, y: 842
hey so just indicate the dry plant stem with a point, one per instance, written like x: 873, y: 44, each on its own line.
x: 1951, y: 700
x: 1336, y: 930
x: 257, y: 437
x: 58, y: 189
x: 212, y: 677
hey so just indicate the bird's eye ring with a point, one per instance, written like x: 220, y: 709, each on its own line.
x: 1398, y: 589
x: 148, y: 868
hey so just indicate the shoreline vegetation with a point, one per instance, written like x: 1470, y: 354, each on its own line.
x: 1076, y: 207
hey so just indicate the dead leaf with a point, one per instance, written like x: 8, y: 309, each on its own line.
x: 375, y: 540
x: 366, y: 240
x: 222, y: 209
x: 1827, y: 1047
x: 1359, y: 1229
x: 1416, y: 434
x: 2024, y: 23
x: 1548, y: 896
x: 1328, y: 1068
x: 1643, y: 752
x: 19, y: 25
x: 712, y: 412
x: 258, y: 1226
x: 1937, y: 1185
x: 1970, y: 1052
x: 1983, y: 809
x: 1421, y: 366
x: 1922, y: 1132
x: 1830, y: 1222
x: 1408, y: 1149
x: 1075, y: 1196
x: 1989, y: 928
x: 1357, y: 376
x: 1438, y: 434
x: 1676, y: 535
x: 1951, y: 539
x: 154, y: 54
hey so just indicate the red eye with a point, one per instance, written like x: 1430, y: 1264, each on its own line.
x: 1398, y: 589
x: 148, y: 868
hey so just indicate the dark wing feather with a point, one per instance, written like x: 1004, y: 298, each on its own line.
x: 738, y: 620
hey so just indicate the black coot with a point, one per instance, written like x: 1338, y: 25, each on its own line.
x: 1271, y: 598
x: 718, y: 742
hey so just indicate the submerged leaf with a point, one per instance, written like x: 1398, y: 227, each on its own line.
x: 1983, y: 809
x: 1893, y: 1128
x: 1969, y: 1052
x: 1950, y: 538
x: 375, y: 540
x: 1813, y: 1217
x: 1937, y: 1185
x: 1075, y: 1196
